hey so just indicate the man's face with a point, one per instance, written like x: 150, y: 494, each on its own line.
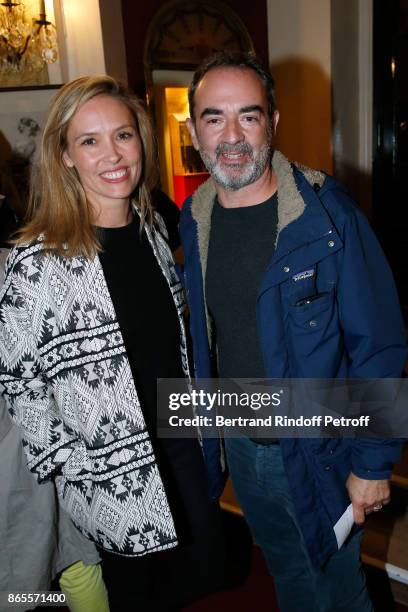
x: 232, y: 129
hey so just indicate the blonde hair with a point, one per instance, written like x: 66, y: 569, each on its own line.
x: 58, y: 209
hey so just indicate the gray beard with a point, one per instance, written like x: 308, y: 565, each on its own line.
x: 245, y: 175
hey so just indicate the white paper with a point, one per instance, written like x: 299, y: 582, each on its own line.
x: 344, y: 525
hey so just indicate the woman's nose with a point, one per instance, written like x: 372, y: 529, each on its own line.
x: 112, y: 150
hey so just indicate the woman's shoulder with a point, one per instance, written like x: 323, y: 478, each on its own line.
x: 25, y: 262
x: 23, y: 251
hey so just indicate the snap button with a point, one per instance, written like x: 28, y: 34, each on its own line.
x: 327, y: 467
x: 313, y: 323
x: 331, y: 243
x: 286, y: 269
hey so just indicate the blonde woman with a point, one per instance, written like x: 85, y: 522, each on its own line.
x: 90, y: 316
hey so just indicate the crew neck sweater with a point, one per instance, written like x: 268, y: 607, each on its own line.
x: 145, y: 311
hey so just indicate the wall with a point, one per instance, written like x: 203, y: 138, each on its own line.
x: 113, y: 38
x: 91, y: 38
x: 300, y: 59
x: 80, y: 23
x: 352, y: 96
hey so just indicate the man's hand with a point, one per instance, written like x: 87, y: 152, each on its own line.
x: 366, y: 496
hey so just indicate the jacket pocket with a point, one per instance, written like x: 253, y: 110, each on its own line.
x: 314, y: 336
x: 305, y: 311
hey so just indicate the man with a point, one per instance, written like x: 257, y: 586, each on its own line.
x: 285, y: 279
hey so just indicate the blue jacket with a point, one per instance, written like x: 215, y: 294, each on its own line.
x: 324, y: 246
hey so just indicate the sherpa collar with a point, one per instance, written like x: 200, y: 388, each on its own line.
x: 290, y: 206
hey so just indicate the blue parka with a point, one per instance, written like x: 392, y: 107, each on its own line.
x: 354, y: 330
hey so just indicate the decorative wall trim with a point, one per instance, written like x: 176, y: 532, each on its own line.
x: 365, y: 94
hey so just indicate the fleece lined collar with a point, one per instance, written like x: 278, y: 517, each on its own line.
x: 290, y: 202
x: 290, y: 205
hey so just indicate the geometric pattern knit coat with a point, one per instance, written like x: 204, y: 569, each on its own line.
x: 66, y: 379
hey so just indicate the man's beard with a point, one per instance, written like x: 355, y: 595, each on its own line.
x: 238, y: 175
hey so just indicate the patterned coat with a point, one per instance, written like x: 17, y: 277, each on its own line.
x: 67, y: 381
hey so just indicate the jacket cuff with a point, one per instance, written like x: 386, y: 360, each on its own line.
x: 374, y: 459
x: 366, y: 474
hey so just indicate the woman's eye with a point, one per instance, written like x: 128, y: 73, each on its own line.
x: 88, y: 141
x: 125, y: 135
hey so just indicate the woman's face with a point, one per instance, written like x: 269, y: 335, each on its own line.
x: 104, y: 146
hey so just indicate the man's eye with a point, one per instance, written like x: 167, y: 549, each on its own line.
x: 250, y: 118
x: 213, y: 120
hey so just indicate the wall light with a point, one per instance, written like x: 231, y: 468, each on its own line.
x: 26, y: 43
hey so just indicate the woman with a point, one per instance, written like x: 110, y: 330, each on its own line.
x: 91, y: 316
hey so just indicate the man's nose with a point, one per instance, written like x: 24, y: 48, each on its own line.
x: 233, y: 131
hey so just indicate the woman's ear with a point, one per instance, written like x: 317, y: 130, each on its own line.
x: 67, y: 160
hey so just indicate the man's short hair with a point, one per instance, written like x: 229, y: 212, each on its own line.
x: 238, y: 59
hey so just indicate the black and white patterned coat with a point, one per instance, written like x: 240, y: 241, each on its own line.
x: 67, y: 382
